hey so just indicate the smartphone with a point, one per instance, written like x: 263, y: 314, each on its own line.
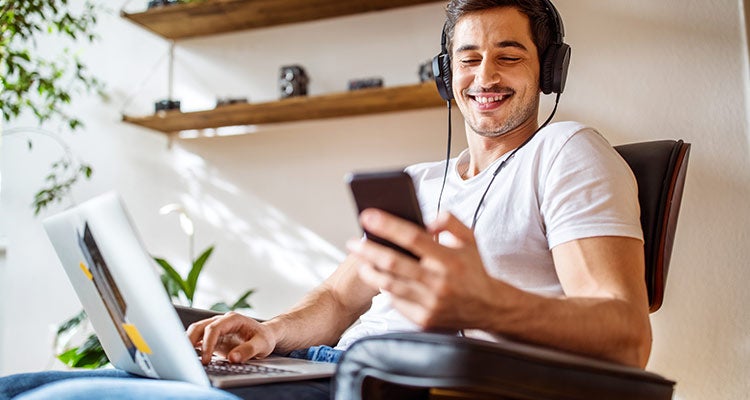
x: 390, y: 191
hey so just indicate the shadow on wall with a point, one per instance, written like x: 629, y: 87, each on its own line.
x: 275, y: 202
x: 258, y: 246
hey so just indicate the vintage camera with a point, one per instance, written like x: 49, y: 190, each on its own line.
x: 425, y: 72
x: 160, y: 3
x: 293, y: 81
x: 228, y: 101
x: 166, y: 105
x: 356, y: 84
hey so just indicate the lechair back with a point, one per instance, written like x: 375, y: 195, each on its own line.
x: 660, y: 168
x: 407, y: 365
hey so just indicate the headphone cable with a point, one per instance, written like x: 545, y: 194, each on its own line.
x: 502, y: 164
x: 447, y: 160
x: 497, y: 170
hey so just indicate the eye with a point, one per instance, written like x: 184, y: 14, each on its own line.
x: 510, y: 59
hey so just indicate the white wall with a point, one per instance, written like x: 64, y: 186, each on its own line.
x: 3, y: 245
x: 274, y: 204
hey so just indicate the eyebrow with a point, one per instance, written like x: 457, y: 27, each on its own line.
x: 503, y: 44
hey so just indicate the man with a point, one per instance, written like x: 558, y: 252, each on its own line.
x: 539, y: 233
x: 565, y: 272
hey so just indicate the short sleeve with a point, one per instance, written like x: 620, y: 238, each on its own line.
x: 589, y: 191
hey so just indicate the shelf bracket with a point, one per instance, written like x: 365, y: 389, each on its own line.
x: 170, y: 71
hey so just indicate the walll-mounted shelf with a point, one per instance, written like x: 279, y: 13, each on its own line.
x: 210, y: 17
x: 221, y: 16
x: 359, y: 102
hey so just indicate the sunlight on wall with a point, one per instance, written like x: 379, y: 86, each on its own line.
x: 272, y: 241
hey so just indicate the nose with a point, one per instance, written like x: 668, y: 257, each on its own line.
x: 487, y: 74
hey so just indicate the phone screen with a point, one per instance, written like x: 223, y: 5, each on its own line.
x: 390, y: 191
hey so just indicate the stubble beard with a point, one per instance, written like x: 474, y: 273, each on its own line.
x: 517, y: 117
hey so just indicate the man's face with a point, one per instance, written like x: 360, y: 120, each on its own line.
x: 495, y: 71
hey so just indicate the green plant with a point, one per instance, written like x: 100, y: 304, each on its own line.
x: 240, y: 303
x: 176, y: 285
x: 88, y: 355
x: 45, y: 85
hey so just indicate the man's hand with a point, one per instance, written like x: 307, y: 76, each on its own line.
x: 447, y: 288
x: 234, y: 336
x: 604, y: 312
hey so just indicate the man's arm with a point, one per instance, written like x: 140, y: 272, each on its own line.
x: 604, y: 282
x: 604, y: 312
x: 323, y: 315
x: 319, y: 318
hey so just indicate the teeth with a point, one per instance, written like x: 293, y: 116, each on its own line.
x: 486, y: 99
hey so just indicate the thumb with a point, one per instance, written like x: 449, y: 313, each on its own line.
x: 255, y: 347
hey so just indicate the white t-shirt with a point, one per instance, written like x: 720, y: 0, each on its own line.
x: 567, y: 183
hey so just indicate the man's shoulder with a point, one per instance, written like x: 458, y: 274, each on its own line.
x: 561, y: 132
x: 566, y: 126
x: 569, y: 136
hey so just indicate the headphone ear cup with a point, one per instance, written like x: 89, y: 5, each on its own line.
x: 441, y: 69
x: 546, y: 77
x: 554, y: 68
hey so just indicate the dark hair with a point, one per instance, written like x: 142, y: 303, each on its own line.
x: 540, y: 20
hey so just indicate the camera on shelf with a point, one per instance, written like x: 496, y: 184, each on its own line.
x: 357, y: 84
x: 166, y: 105
x: 425, y: 72
x: 293, y: 81
x: 161, y: 3
x: 226, y: 101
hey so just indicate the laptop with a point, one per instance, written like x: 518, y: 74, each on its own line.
x: 117, y: 282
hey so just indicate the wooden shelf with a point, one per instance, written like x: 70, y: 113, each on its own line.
x: 358, y: 102
x: 210, y: 17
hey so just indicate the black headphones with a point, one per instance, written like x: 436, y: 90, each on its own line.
x: 553, y: 65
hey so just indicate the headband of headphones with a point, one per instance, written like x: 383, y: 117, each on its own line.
x: 556, y: 20
x: 553, y: 63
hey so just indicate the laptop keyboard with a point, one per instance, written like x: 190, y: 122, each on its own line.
x: 224, y: 368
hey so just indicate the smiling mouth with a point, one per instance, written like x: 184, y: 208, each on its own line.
x: 484, y: 99
x: 490, y: 98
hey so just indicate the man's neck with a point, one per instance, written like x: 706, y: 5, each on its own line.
x: 483, y: 150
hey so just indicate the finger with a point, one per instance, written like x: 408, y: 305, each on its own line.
x: 257, y: 346
x: 195, y: 330
x: 447, y: 222
x: 408, y: 290
x: 213, y: 331
x: 394, y: 229
x: 226, y: 343
x: 385, y: 259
